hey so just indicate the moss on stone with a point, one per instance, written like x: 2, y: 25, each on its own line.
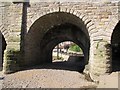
x: 14, y: 38
x: 12, y: 60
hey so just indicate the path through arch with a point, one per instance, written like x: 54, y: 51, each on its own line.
x: 51, y: 29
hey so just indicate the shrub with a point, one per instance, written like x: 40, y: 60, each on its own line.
x: 75, y: 48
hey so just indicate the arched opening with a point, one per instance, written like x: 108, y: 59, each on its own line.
x: 68, y: 56
x: 2, y: 48
x: 64, y: 50
x: 52, y: 29
x: 115, y: 41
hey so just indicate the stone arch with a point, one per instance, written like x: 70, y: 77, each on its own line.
x: 49, y: 39
x: 4, y: 32
x: 88, y: 22
x: 115, y: 42
x: 110, y: 28
x: 2, y: 48
x: 115, y: 31
x: 88, y: 25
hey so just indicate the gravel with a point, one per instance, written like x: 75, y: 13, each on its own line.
x: 42, y: 77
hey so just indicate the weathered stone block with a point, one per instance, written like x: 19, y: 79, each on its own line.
x: 11, y: 61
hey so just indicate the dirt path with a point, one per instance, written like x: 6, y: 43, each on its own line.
x: 46, y: 78
x: 56, y: 75
x: 40, y: 77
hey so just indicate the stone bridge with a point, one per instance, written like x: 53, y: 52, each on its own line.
x: 30, y: 30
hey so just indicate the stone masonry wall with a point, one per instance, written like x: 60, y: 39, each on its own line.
x: 11, y: 29
x: 103, y: 15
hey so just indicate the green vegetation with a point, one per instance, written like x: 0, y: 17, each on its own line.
x: 75, y: 48
x: 12, y: 60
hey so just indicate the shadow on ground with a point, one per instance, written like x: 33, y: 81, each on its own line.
x: 72, y: 64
